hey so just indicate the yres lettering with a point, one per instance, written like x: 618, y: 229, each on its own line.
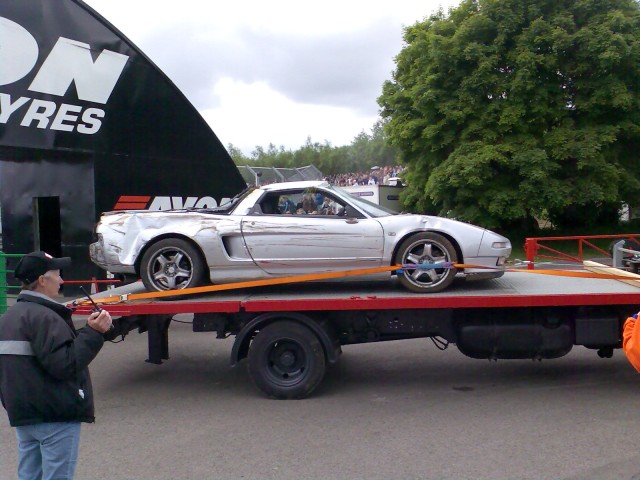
x: 69, y: 61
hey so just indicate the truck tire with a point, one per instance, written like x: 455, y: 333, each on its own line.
x: 171, y: 264
x: 426, y: 248
x: 286, y: 360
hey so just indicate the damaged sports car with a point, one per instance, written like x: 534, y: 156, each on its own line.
x: 291, y: 229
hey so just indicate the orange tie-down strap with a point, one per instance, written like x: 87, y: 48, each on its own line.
x: 332, y: 275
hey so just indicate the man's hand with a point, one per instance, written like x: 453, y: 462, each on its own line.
x: 100, y: 321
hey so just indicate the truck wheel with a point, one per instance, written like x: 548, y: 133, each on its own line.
x: 286, y: 360
x: 426, y: 248
x: 171, y: 264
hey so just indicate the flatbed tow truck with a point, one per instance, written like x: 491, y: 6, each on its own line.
x: 289, y: 333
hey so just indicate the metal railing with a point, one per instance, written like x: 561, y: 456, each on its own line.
x: 632, y: 262
x: 534, y: 246
x: 4, y: 287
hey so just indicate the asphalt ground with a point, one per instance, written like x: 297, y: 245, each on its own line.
x: 397, y: 410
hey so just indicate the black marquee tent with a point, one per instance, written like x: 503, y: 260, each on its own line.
x: 89, y: 124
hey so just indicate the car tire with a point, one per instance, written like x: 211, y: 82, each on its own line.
x: 426, y: 248
x: 286, y: 360
x: 172, y: 264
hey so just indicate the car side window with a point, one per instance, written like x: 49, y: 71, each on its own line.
x: 304, y: 202
x: 268, y: 205
x: 286, y: 204
x: 316, y: 202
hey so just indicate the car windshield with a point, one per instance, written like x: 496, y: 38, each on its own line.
x: 370, y: 208
x: 229, y: 204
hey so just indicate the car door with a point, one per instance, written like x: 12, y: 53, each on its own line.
x: 284, y: 243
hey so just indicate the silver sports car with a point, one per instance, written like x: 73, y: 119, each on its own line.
x: 291, y: 229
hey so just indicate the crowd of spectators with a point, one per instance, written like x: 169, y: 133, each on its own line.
x: 375, y: 176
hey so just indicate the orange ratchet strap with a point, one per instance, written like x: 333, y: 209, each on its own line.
x: 572, y: 273
x: 558, y: 273
x: 326, y: 276
x: 237, y: 285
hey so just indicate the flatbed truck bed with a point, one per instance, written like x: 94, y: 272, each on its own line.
x: 290, y: 332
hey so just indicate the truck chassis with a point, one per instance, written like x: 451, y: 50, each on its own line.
x: 289, y: 334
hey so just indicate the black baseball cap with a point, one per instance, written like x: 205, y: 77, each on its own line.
x: 34, y: 264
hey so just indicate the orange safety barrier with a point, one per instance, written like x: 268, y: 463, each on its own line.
x: 533, y: 246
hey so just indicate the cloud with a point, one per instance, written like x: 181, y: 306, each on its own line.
x: 253, y: 114
x: 316, y: 67
x: 345, y: 70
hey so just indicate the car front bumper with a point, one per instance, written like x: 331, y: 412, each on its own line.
x: 108, y: 260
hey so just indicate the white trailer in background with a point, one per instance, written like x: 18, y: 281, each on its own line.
x: 384, y: 195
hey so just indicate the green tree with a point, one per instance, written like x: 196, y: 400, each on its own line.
x: 368, y: 150
x: 237, y: 156
x: 365, y: 151
x: 272, y: 157
x: 506, y: 110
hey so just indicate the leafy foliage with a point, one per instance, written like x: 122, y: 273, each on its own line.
x: 506, y: 110
x: 365, y: 151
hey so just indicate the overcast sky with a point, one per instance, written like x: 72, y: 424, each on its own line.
x: 275, y: 71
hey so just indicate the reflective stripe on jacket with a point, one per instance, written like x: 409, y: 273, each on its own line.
x: 43, y: 363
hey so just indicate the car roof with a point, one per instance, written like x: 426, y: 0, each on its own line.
x: 294, y: 185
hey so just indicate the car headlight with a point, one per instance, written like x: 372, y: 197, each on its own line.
x: 500, y: 244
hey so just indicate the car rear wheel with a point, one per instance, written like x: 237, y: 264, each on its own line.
x: 172, y: 264
x: 426, y: 249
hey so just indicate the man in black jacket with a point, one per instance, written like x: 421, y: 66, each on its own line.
x: 44, y: 380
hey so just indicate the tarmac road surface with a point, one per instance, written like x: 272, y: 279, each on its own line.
x: 397, y: 410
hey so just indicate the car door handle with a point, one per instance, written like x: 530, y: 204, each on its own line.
x: 351, y: 220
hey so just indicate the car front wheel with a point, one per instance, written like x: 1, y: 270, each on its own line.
x: 420, y: 255
x: 171, y: 264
